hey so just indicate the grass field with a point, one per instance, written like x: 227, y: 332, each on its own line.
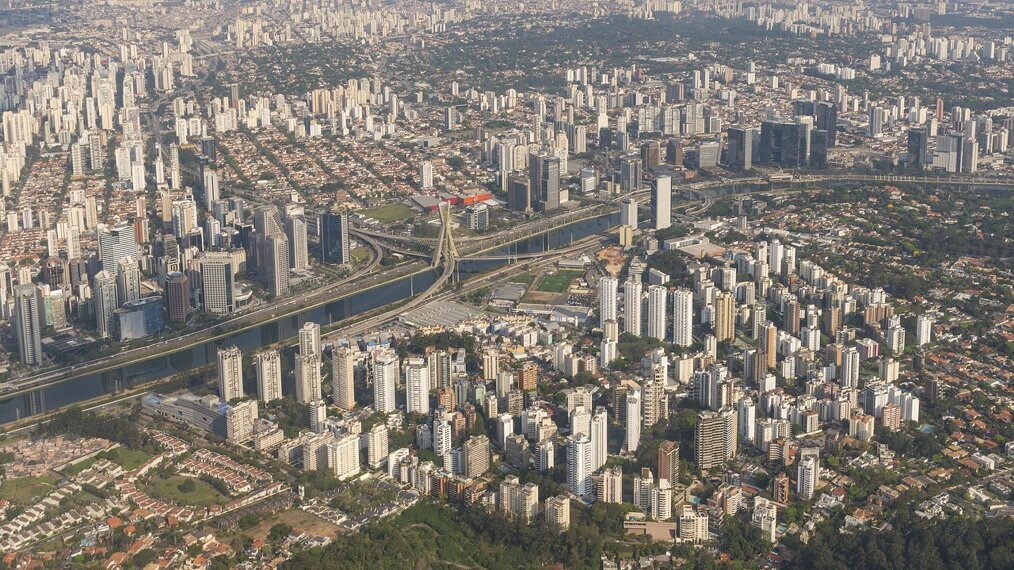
x: 360, y: 255
x: 390, y: 213
x: 27, y: 490
x: 203, y: 495
x: 129, y: 459
x: 557, y: 282
x: 298, y: 520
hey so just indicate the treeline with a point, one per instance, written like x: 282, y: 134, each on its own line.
x: 121, y: 428
x: 913, y: 543
x: 431, y: 535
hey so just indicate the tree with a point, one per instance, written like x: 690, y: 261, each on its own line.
x: 279, y: 532
x: 187, y: 486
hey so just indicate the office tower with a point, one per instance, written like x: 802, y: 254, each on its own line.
x: 918, y: 147
x: 343, y: 456
x: 923, y: 330
x: 177, y: 287
x: 651, y: 155
x: 669, y: 461
x: 519, y: 194
x: 683, y: 317
x: 599, y: 438
x: 633, y: 423
x: 725, y: 316
x: 307, y: 371
x: 630, y: 174
x: 128, y: 281
x: 334, y: 238
x: 299, y: 253
x: 558, y: 512
x: 877, y: 116
x: 105, y: 302
x: 212, y: 192
x: 826, y: 120
x: 377, y: 444
x: 579, y: 465
x: 275, y: 266
x: 785, y: 144
x: 632, y: 307
x: 27, y: 324
x: 268, y: 364
x: 607, y: 299
x: 661, y: 202
x: 715, y: 438
x: 807, y: 476
x: 656, y: 311
x: 230, y: 373
x: 343, y: 378
x: 115, y: 243
x: 628, y: 212
x: 739, y: 151
x: 417, y: 387
x: 209, y: 148
x: 476, y: 456
x: 425, y: 175
x: 544, y: 181
x: 818, y: 149
x: 217, y: 282
x: 309, y: 339
x: 674, y: 152
x: 240, y: 420
x: 385, y: 379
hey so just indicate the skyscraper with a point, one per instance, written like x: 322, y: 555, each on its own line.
x: 299, y: 257
x: 918, y: 147
x: 268, y: 364
x: 27, y: 324
x: 633, y: 423
x: 683, y: 317
x: 632, y: 307
x: 661, y: 202
x: 343, y: 379
x: 715, y: 438
x: 739, y: 151
x: 669, y: 461
x: 630, y: 173
x: 217, y: 282
x: 115, y: 243
x: 519, y: 195
x: 307, y: 378
x: 599, y: 438
x: 275, y: 268
x: 827, y: 120
x: 104, y: 300
x: 177, y: 287
x: 607, y: 299
x: 544, y: 181
x: 579, y: 466
x: 334, y: 238
x: 385, y: 379
x: 128, y: 281
x: 309, y: 339
x: 725, y: 316
x: 230, y: 373
x: 417, y: 385
x: 657, y: 296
